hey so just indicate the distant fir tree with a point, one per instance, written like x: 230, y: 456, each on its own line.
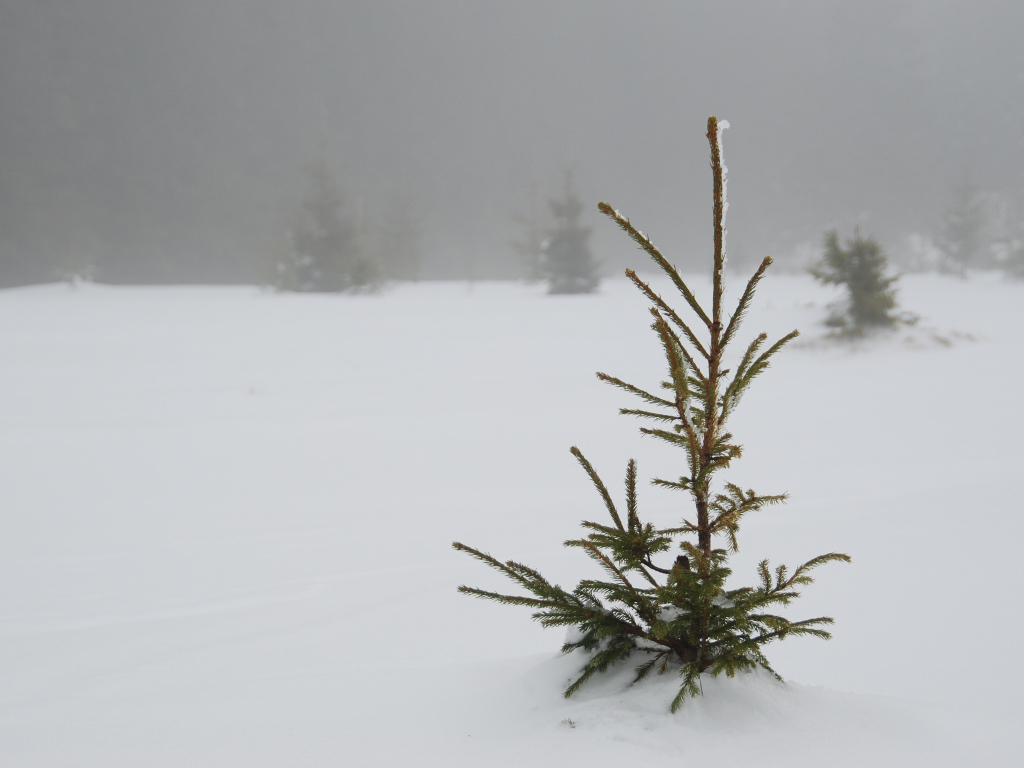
x: 325, y: 249
x: 401, y: 239
x: 961, y: 230
x: 871, y: 297
x: 1012, y: 258
x: 569, y: 266
x: 678, y: 615
x: 530, y: 247
x: 1008, y: 249
x: 1014, y: 263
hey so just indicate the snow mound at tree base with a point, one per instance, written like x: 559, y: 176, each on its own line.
x: 517, y: 715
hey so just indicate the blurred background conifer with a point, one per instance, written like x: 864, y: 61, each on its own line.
x: 860, y: 267
x: 529, y: 246
x: 325, y: 248
x: 961, y: 239
x: 569, y: 264
x: 401, y: 239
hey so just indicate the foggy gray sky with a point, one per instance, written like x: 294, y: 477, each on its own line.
x: 163, y: 141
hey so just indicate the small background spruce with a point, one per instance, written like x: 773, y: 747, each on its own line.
x: 324, y: 247
x: 860, y: 267
x: 663, y: 603
x: 1014, y: 264
x: 961, y: 239
x: 568, y: 263
x: 1010, y: 247
x: 401, y: 239
x: 531, y: 243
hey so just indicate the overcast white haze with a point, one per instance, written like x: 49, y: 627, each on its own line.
x: 226, y: 526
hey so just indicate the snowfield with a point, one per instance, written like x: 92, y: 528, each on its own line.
x: 227, y: 517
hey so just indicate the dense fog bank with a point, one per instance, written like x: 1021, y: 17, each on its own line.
x: 164, y: 142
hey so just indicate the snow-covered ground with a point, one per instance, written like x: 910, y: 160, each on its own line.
x: 227, y: 516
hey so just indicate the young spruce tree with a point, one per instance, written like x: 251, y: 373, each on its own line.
x: 1013, y: 265
x: 568, y: 263
x: 677, y: 615
x: 871, y: 295
x: 961, y: 230
x: 325, y: 249
x: 530, y: 247
x: 401, y: 239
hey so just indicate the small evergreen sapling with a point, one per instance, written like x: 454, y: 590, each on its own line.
x: 568, y: 263
x: 1009, y: 249
x: 533, y: 239
x: 871, y: 295
x: 325, y: 249
x: 401, y: 239
x: 961, y: 230
x: 678, y: 615
x: 1014, y: 262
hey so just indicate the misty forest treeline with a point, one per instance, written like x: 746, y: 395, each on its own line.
x: 157, y: 142
x: 325, y: 245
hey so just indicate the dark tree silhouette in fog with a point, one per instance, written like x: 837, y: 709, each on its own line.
x: 325, y: 249
x: 860, y: 267
x: 568, y: 262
